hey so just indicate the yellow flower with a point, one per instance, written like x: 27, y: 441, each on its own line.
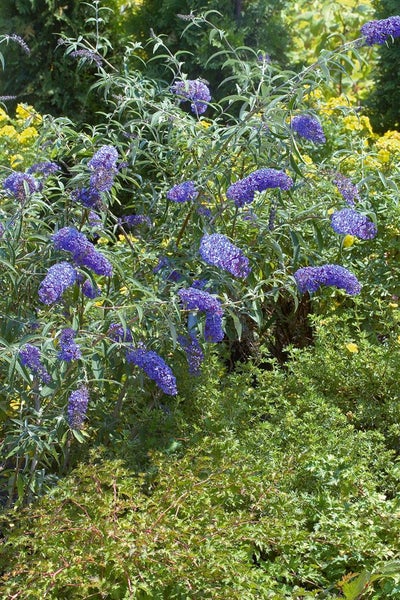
x: 25, y: 111
x: 3, y: 115
x: 15, y: 160
x: 330, y: 211
x: 352, y: 348
x: 384, y: 156
x: 348, y: 241
x: 8, y: 131
x: 28, y: 134
x: 204, y: 123
x: 393, y: 304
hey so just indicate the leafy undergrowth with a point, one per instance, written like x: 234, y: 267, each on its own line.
x: 257, y: 485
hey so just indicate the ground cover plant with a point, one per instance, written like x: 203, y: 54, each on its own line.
x: 147, y: 262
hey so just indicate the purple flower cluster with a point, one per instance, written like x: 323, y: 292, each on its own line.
x: 30, y: 357
x: 217, y: 250
x: 377, y: 32
x: 350, y: 221
x: 20, y: 185
x: 135, y: 220
x: 89, y: 54
x: 183, y: 192
x: 88, y: 196
x: 308, y: 127
x: 59, y: 277
x: 117, y: 333
x: 20, y: 41
x: 45, y: 168
x: 242, y: 192
x: 89, y: 290
x: 194, y: 90
x: 155, y: 367
x: 83, y: 251
x: 348, y: 190
x: 104, y: 167
x: 193, y: 351
x: 77, y: 407
x: 196, y: 299
x: 69, y: 348
x: 309, y: 279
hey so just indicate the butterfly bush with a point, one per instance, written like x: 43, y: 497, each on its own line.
x: 155, y: 367
x: 159, y: 287
x: 77, y: 406
x: 69, y: 348
x: 183, y: 192
x: 195, y: 91
x: 58, y: 279
x: 82, y: 250
x: 309, y: 279
x: 379, y: 31
x: 29, y: 356
x: 21, y: 185
x: 308, y: 127
x: 216, y: 249
x: 243, y: 191
x: 350, y: 221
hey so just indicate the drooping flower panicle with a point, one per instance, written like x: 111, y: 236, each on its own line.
x: 21, y: 185
x: 379, y: 31
x: 83, y: 251
x: 69, y: 348
x: 155, y: 367
x: 104, y: 168
x: 193, y: 351
x: 183, y: 192
x: 195, y: 91
x: 348, y: 190
x: 77, y: 406
x: 117, y: 333
x: 196, y: 299
x: 351, y: 222
x: 216, y: 249
x: 308, y: 127
x: 30, y: 357
x: 243, y: 191
x: 59, y: 277
x: 309, y: 279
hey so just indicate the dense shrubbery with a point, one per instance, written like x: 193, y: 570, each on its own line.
x: 147, y: 256
x: 263, y: 489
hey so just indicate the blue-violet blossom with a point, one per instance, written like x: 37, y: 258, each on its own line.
x: 59, y: 277
x: 77, y: 407
x: 378, y: 31
x: 183, y: 192
x: 216, y: 249
x: 194, y: 90
x: 243, y: 191
x: 155, y: 367
x: 69, y: 348
x: 30, y: 357
x: 309, y: 279
x: 21, y: 185
x: 308, y: 127
x: 83, y: 251
x: 351, y: 222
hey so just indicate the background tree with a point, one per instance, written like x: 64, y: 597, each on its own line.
x: 382, y: 104
x: 45, y: 77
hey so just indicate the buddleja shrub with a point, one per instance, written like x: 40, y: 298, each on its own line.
x: 135, y: 246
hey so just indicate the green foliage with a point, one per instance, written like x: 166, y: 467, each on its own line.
x: 46, y: 78
x: 265, y: 490
x: 256, y: 24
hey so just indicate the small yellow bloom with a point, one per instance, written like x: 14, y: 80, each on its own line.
x: 398, y: 339
x: 393, y: 305
x: 15, y: 160
x: 348, y: 241
x: 28, y: 134
x: 3, y: 115
x: 384, y: 156
x: 8, y: 131
x: 352, y: 348
x: 330, y: 211
x: 25, y: 111
x: 124, y: 291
